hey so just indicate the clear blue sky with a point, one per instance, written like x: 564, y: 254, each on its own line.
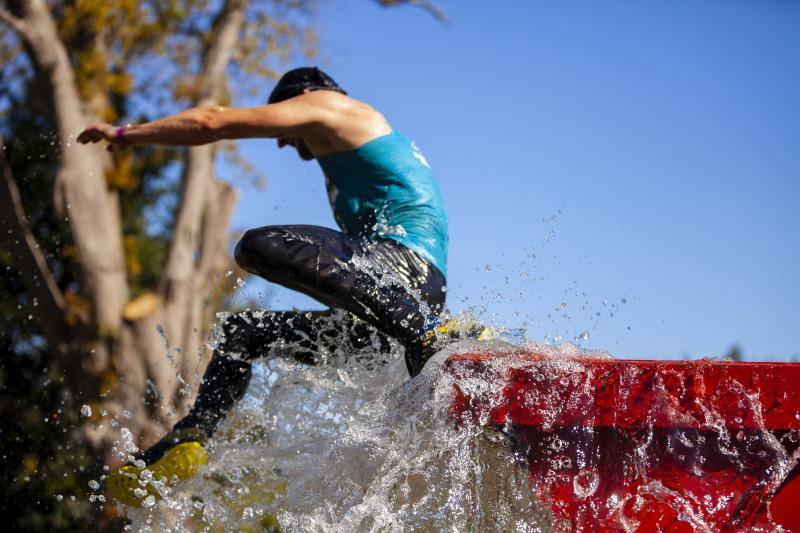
x: 626, y: 168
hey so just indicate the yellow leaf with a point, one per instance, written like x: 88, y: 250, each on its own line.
x: 141, y: 306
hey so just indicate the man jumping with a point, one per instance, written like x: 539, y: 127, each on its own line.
x: 386, y: 267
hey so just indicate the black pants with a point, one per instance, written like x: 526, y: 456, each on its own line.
x: 383, y: 285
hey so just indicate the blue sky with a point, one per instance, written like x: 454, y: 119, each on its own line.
x: 630, y: 169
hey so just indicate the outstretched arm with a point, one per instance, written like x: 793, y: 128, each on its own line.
x: 203, y: 125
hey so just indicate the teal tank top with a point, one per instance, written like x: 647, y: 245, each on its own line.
x: 385, y: 188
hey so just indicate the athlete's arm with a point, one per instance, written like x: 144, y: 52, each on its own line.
x: 203, y: 125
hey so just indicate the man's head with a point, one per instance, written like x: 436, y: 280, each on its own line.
x: 300, y: 80
x: 294, y: 83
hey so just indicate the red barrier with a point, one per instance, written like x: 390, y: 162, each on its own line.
x: 645, y: 445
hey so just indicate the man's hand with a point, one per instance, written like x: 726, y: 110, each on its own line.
x: 103, y: 132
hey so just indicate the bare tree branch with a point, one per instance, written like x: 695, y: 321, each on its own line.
x: 214, y: 239
x: 213, y: 255
x: 199, y: 171
x: 428, y: 6
x: 182, y: 284
x: 15, y: 22
x: 36, y: 275
x: 220, y: 50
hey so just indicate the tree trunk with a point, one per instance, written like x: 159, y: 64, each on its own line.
x: 140, y: 369
x: 201, y: 229
x: 81, y: 190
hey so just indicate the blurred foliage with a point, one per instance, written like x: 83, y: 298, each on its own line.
x: 47, y: 465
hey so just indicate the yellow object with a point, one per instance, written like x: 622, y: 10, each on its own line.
x: 131, y: 485
x: 259, y: 493
x: 486, y: 334
x: 459, y: 328
x: 141, y: 306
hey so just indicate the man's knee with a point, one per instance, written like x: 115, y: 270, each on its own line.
x: 247, y: 252
x: 258, y: 248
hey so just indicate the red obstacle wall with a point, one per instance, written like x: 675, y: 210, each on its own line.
x: 645, y: 445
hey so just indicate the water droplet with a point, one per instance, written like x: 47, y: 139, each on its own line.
x: 127, y: 441
x: 585, y: 483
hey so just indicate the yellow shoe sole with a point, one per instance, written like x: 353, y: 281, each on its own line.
x: 466, y: 329
x: 129, y: 486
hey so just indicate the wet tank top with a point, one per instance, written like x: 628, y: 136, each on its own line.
x: 385, y: 188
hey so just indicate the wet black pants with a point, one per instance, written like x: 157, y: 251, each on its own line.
x: 383, y: 285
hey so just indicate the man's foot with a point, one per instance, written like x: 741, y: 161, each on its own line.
x: 178, y: 456
x: 453, y: 329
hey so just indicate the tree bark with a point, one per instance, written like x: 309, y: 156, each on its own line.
x: 112, y: 372
x: 92, y: 209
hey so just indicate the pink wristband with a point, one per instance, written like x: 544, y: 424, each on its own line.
x: 119, y: 136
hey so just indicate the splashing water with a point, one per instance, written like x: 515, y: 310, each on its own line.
x: 349, y: 445
x: 353, y: 445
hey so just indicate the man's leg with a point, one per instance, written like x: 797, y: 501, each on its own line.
x: 246, y: 336
x: 303, y: 335
x: 380, y: 281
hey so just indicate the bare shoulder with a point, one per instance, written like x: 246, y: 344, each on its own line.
x: 348, y: 122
